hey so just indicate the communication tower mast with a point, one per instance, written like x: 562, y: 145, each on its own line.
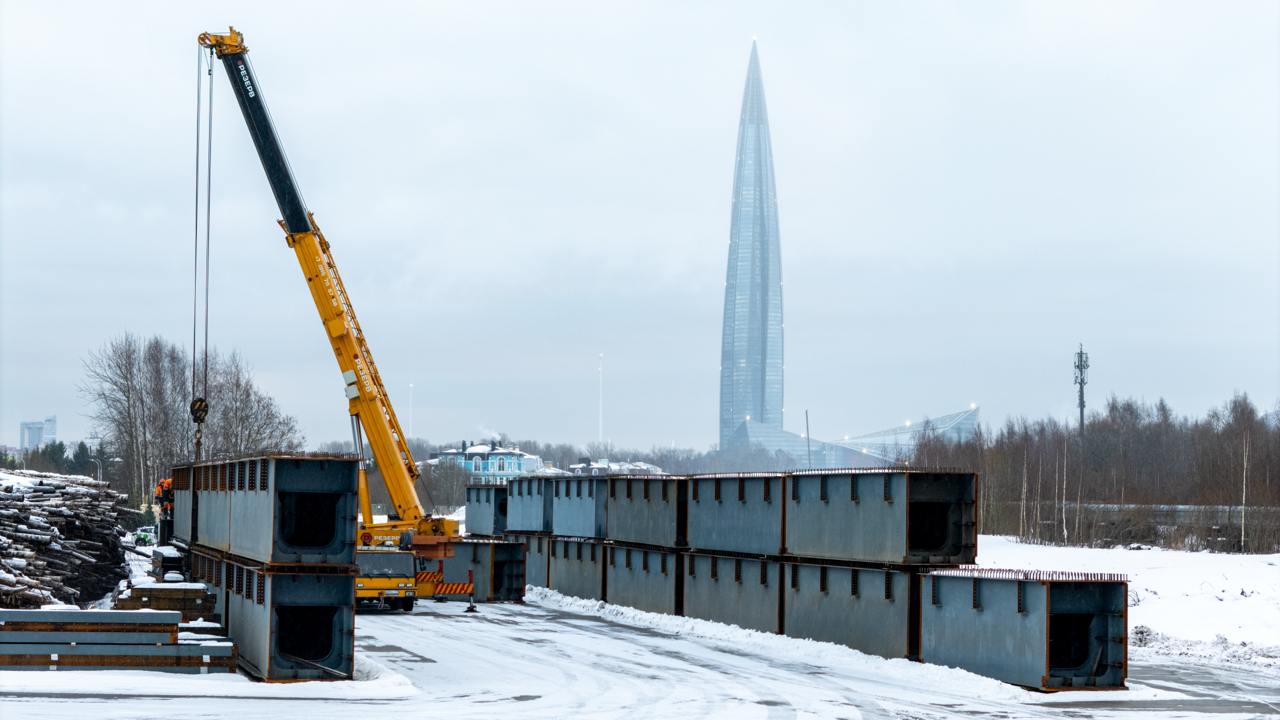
x: 1082, y: 379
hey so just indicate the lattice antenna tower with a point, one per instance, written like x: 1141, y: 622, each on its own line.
x: 1082, y: 379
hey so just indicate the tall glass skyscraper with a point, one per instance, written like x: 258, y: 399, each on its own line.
x: 751, y: 348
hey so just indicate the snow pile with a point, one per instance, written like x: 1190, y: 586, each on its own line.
x: 58, y: 538
x: 1187, y: 595
x: 370, y: 671
x: 1144, y: 639
x: 781, y: 647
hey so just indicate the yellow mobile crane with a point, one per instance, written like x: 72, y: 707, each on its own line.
x: 411, y: 528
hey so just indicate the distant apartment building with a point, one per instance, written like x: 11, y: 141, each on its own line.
x: 489, y: 462
x: 37, y: 433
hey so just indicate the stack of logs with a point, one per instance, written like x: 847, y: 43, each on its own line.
x: 59, y: 539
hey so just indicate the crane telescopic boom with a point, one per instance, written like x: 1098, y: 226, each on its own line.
x: 367, y: 398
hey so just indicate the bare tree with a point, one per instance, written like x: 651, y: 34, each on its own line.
x: 139, y: 392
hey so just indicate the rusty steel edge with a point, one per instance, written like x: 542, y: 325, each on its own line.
x: 1029, y: 575
x: 274, y: 568
x: 346, y: 457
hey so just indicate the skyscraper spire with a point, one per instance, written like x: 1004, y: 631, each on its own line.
x: 751, y: 348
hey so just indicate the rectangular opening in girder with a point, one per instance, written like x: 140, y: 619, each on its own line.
x: 932, y: 529
x: 940, y: 525
x: 307, y: 632
x: 308, y: 519
x: 1070, y: 642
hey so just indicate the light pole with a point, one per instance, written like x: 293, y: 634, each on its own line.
x: 411, y: 410
x: 98, y: 462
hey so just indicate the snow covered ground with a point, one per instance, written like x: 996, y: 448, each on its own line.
x: 1188, y: 595
x: 557, y: 657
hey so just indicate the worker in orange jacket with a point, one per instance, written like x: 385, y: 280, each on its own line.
x: 164, y: 500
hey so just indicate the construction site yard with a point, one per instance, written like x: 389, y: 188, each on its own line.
x: 1204, y: 643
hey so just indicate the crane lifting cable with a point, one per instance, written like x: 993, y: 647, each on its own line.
x: 199, y: 395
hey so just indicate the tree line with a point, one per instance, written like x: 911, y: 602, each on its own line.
x: 139, y: 393
x: 54, y: 457
x: 1139, y: 474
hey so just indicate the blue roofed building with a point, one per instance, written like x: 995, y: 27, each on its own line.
x: 489, y: 463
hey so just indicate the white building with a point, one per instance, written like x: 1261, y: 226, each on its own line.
x: 611, y: 467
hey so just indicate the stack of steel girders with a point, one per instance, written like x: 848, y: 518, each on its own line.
x: 491, y: 560
x: 842, y: 556
x: 72, y: 639
x: 274, y: 537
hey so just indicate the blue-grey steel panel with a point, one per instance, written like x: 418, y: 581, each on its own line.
x: 486, y: 510
x: 746, y: 518
x: 577, y: 568
x: 529, y: 505
x: 578, y: 506
x: 82, y: 636
x: 182, y: 512
x: 642, y: 578
x: 646, y: 510
x: 537, y: 556
x: 213, y: 519
x: 115, y: 617
x: 827, y: 603
x: 889, y: 517
x: 995, y: 640
x: 714, y: 590
x: 155, y: 649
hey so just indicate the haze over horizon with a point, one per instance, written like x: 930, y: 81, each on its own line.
x: 965, y: 193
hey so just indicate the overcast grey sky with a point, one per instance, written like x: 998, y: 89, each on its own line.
x: 966, y: 190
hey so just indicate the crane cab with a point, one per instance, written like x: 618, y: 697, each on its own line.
x: 386, y: 578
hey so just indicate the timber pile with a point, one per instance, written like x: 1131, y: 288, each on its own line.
x: 59, y: 539
x: 193, y: 600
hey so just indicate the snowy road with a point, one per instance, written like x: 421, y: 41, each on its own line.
x: 563, y: 658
